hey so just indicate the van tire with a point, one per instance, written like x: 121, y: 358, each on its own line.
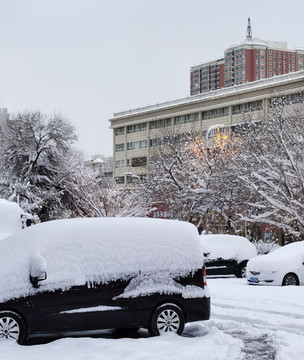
x: 242, y: 270
x: 12, y: 327
x: 167, y: 318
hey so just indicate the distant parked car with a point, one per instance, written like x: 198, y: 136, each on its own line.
x: 283, y: 266
x: 77, y: 275
x: 10, y: 218
x: 227, y: 254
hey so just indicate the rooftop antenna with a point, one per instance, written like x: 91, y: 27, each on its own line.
x: 249, y: 32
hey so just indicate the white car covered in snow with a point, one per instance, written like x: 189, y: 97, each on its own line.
x: 283, y: 266
x: 227, y: 254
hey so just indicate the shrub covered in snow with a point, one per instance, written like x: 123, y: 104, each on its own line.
x: 265, y: 247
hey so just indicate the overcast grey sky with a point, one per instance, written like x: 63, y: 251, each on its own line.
x: 90, y: 58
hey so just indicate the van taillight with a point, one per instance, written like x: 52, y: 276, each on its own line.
x: 204, y: 276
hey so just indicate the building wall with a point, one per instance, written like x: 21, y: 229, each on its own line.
x: 246, y: 62
x: 223, y: 107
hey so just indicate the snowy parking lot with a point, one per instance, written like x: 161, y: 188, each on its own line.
x: 247, y: 322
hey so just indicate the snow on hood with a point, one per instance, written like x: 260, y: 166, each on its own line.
x: 288, y: 257
x: 75, y: 251
x: 10, y: 218
x: 228, y: 247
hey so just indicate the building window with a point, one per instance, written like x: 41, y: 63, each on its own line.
x: 179, y: 120
x: 156, y: 124
x: 120, y: 180
x: 224, y: 111
x: 139, y: 161
x: 120, y: 131
x: 184, y: 119
x: 120, y: 147
x: 136, y: 128
x: 133, y: 145
x: 250, y: 106
x: 214, y: 132
x: 119, y: 163
x: 210, y: 114
x: 155, y: 141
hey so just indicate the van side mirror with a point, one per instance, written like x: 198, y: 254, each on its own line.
x: 36, y: 279
x: 37, y: 270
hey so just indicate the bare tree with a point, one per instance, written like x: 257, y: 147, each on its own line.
x: 191, y: 174
x: 273, y: 167
x: 41, y: 171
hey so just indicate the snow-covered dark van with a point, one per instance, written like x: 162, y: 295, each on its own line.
x: 77, y: 275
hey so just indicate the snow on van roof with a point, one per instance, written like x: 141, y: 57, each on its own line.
x: 10, y: 218
x: 96, y: 249
x: 228, y: 246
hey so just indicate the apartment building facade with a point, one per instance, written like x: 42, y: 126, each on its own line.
x: 137, y: 133
x: 251, y: 60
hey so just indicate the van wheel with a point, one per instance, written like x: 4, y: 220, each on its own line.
x: 167, y: 318
x: 242, y: 270
x: 12, y: 327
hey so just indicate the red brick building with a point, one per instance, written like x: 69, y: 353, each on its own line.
x: 251, y: 60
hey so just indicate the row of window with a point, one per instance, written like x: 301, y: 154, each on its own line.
x: 133, y: 145
x: 131, y: 129
x: 209, y: 114
x: 214, y: 113
x: 212, y: 133
x: 160, y: 141
x: 185, y: 137
x: 184, y: 119
x: 172, y: 139
x: 134, y: 162
x: 250, y: 106
x: 294, y: 98
x: 136, y: 128
x: 156, y: 124
x: 130, y: 179
x: 143, y: 127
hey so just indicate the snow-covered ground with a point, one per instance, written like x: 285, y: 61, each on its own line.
x: 247, y: 322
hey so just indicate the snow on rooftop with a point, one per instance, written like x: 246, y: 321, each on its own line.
x: 98, y: 161
x: 275, y: 80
